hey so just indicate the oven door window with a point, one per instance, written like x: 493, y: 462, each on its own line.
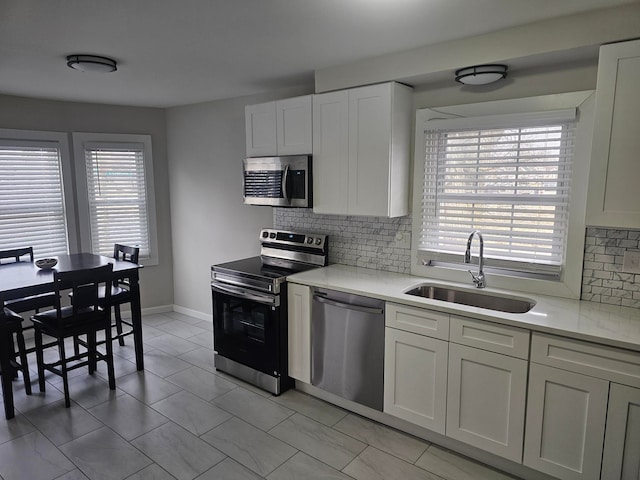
x: 246, y: 331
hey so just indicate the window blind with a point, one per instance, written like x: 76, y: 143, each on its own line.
x: 32, y: 211
x: 512, y: 184
x: 117, y: 196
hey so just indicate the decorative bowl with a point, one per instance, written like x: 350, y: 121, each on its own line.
x: 46, y: 263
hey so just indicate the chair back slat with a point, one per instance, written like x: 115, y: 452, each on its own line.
x: 126, y: 253
x: 84, y: 285
x: 15, y: 253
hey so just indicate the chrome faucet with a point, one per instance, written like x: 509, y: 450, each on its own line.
x: 479, y: 278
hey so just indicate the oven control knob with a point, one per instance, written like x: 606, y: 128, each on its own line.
x: 318, y: 241
x: 309, y: 240
x: 272, y: 235
x: 265, y: 234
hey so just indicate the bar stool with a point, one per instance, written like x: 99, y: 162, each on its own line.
x: 87, y: 315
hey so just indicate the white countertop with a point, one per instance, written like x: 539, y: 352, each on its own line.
x: 595, y: 322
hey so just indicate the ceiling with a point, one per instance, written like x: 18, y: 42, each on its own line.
x: 178, y: 52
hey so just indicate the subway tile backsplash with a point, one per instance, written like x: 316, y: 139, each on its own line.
x: 368, y: 242
x: 603, y: 278
x: 371, y: 242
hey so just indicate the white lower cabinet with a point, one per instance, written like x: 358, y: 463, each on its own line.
x: 299, y: 332
x: 486, y: 400
x: 415, y: 373
x: 566, y: 415
x: 621, y: 458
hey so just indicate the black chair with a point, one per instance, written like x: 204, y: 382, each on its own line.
x: 31, y: 303
x: 120, y: 294
x: 87, y: 315
x: 120, y: 291
x: 10, y: 325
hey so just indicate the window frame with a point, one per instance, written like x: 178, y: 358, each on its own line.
x: 61, y: 139
x: 569, y: 283
x: 79, y: 141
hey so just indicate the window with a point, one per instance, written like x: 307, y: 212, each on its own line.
x: 32, y: 196
x: 516, y: 170
x: 512, y: 183
x: 119, y: 192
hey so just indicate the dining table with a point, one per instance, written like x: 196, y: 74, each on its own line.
x: 23, y: 279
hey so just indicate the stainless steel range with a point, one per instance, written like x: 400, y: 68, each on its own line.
x: 250, y: 307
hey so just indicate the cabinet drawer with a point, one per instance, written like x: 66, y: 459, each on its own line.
x: 608, y: 363
x: 512, y: 341
x: 417, y: 320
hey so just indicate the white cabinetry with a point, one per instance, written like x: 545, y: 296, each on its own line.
x: 487, y: 390
x: 565, y: 423
x: 613, y: 198
x: 567, y: 408
x: 299, y: 332
x: 415, y: 370
x: 361, y: 143
x: 621, y: 458
x: 282, y: 127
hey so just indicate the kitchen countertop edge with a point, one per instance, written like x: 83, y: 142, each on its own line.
x: 610, y: 325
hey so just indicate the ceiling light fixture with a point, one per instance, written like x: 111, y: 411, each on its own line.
x: 481, y: 74
x: 91, y: 63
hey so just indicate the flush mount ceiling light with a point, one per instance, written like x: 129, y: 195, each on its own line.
x: 91, y: 63
x: 481, y: 74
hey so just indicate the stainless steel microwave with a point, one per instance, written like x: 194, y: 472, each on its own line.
x: 278, y: 181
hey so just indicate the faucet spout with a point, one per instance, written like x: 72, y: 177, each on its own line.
x: 478, y: 279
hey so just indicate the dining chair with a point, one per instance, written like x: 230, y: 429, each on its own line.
x: 10, y: 325
x: 32, y: 302
x: 120, y: 294
x: 87, y: 315
x: 120, y: 290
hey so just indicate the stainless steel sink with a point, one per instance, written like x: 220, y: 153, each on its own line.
x: 474, y: 299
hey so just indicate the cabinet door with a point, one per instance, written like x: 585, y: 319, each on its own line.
x: 330, y: 152
x: 565, y: 422
x: 621, y: 459
x: 613, y: 186
x: 369, y: 150
x: 293, y: 125
x: 299, y: 332
x: 486, y: 400
x: 415, y: 378
x: 260, y: 125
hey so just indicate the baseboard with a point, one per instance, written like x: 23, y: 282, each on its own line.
x: 171, y: 308
x: 126, y: 313
x: 193, y: 313
x: 158, y: 309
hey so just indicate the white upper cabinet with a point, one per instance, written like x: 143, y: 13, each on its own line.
x: 614, y: 198
x: 282, y: 127
x: 361, y: 143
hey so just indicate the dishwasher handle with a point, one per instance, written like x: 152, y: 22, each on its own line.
x: 349, y: 306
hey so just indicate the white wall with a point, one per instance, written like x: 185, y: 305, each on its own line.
x: 156, y: 285
x: 210, y: 224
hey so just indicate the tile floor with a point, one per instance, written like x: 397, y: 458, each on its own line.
x: 182, y: 419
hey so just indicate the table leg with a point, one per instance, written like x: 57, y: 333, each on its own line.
x: 136, y: 320
x: 7, y: 374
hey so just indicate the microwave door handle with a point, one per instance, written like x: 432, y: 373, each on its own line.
x: 285, y: 177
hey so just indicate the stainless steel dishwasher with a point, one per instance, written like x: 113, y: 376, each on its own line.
x: 347, y: 346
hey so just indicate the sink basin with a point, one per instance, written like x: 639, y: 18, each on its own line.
x: 472, y: 298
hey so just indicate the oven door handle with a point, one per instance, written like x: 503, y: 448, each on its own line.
x: 246, y: 294
x: 285, y: 178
